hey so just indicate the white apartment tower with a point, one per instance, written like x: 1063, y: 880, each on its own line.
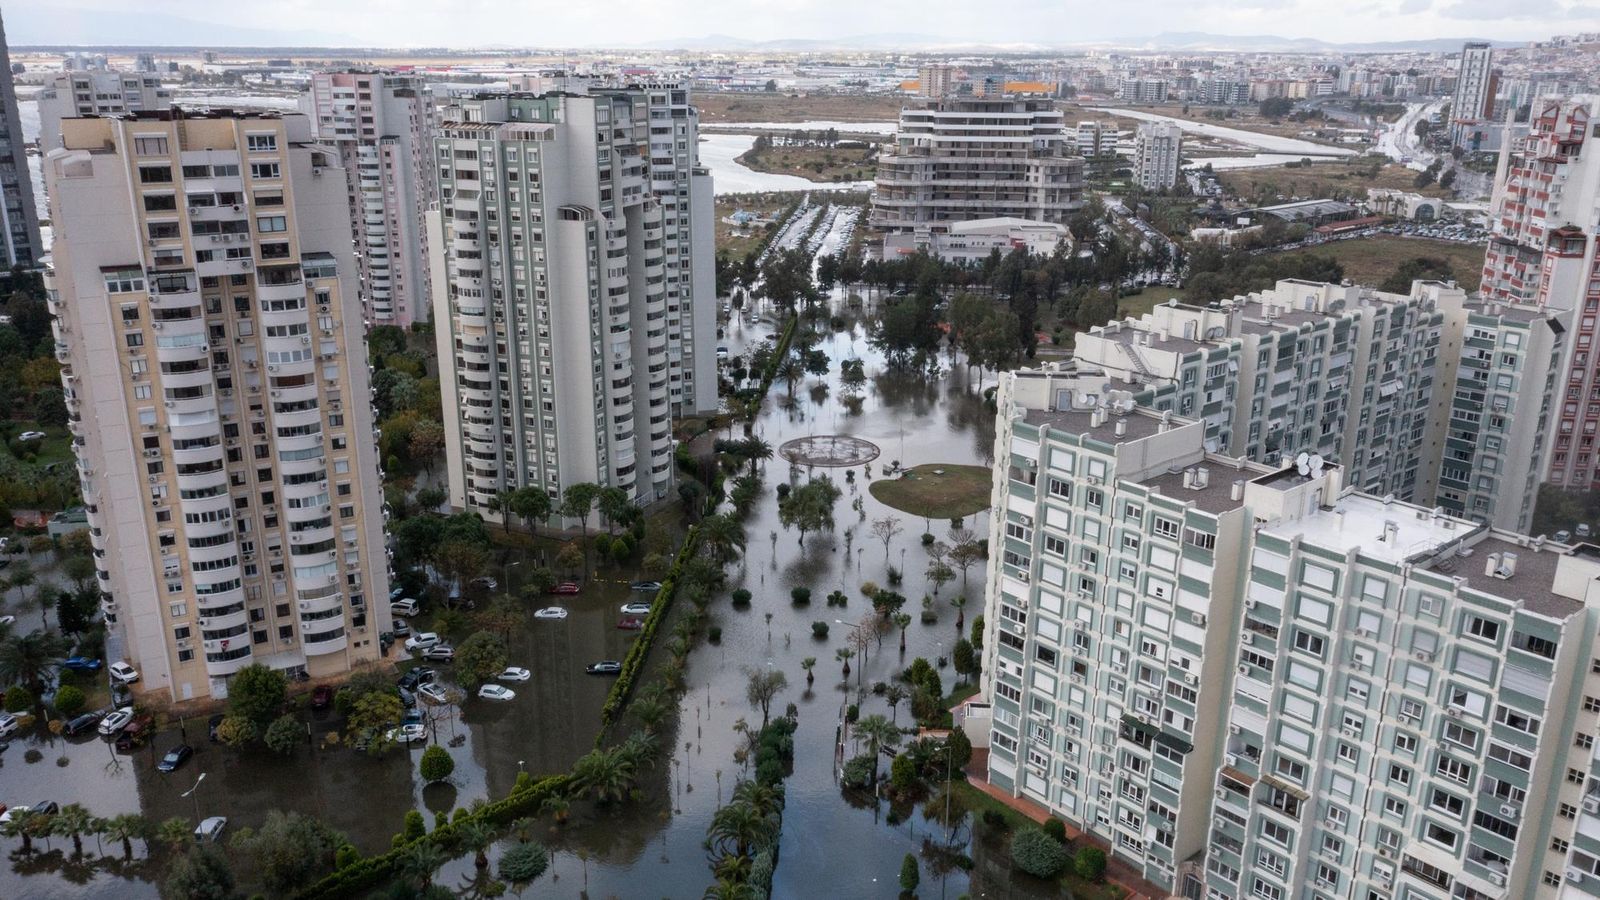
x: 573, y: 289
x: 19, y: 220
x: 1157, y: 153
x: 383, y: 125
x: 961, y: 159
x: 209, y: 327
x: 1475, y: 89
x: 1250, y: 682
x: 95, y: 92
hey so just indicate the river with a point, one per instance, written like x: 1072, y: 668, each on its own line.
x: 720, y: 152
x: 1275, y: 150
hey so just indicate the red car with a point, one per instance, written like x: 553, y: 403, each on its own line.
x: 565, y: 587
x: 322, y: 696
x: 630, y: 623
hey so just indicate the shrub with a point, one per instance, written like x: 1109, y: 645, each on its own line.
x: 858, y: 772
x: 927, y: 539
x: 741, y: 597
x: 437, y: 764
x: 838, y: 598
x: 801, y: 596
x: 1038, y: 853
x: 895, y: 576
x: 69, y: 700
x: 852, y: 713
x: 714, y: 634
x: 869, y: 589
x: 994, y: 819
x: 1090, y: 863
x: 903, y: 774
x: 783, y: 490
x: 909, y: 876
x: 819, y: 630
x: 929, y: 617
x: 1055, y: 828
x: 18, y: 699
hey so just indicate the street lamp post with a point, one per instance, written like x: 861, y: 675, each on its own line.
x: 861, y: 642
x: 192, y: 791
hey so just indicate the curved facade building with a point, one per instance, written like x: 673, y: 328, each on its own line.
x: 206, y: 317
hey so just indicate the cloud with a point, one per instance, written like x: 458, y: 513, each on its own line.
x: 1408, y: 7
x: 1497, y: 10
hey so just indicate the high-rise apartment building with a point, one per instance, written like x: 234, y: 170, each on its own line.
x: 574, y: 291
x: 95, y: 92
x: 1249, y: 681
x: 937, y: 80
x: 957, y: 160
x: 1157, y: 153
x: 209, y: 326
x: 1475, y: 90
x: 383, y: 125
x: 1541, y: 256
x: 1095, y: 138
x: 19, y: 219
x: 1143, y: 90
x: 1337, y: 370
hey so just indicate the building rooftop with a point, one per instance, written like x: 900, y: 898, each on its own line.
x: 1217, y: 495
x: 1505, y: 311
x: 1530, y: 582
x: 1082, y: 422
x: 1393, y: 532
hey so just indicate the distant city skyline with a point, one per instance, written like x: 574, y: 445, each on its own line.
x: 412, y: 23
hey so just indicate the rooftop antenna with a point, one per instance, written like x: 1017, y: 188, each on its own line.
x: 1315, y: 464
x: 1302, y: 463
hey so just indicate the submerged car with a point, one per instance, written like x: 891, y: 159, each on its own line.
x: 514, y: 673
x: 604, y: 667
x: 175, y: 758
x: 645, y: 587
x: 551, y: 612
x: 496, y: 692
x: 636, y: 609
x: 565, y: 587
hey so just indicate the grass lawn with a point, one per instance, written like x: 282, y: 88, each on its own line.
x: 735, y: 241
x: 55, y: 447
x: 960, y: 491
x: 820, y: 164
x: 1338, y: 180
x: 1138, y: 304
x: 978, y: 802
x: 1371, y: 260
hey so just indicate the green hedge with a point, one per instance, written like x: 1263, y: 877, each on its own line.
x: 374, y: 872
x: 782, y: 353
x: 633, y: 663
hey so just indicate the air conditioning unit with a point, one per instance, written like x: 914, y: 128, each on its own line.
x: 1574, y: 874
x: 1423, y: 656
x: 1222, y: 794
x: 1364, y: 633
x: 1244, y: 670
x: 1219, y: 823
x: 1591, y: 804
x: 1197, y: 618
x: 1351, y: 731
x: 156, y: 325
x: 306, y: 339
x: 1510, y: 810
x: 1191, y: 679
x: 1249, y: 604
x: 1386, y: 852
x: 1453, y: 712
x: 1235, y: 729
x: 154, y: 479
x: 1247, y: 638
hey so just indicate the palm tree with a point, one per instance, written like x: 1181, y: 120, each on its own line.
x: 736, y: 828
x: 895, y: 694
x: 73, y: 821
x: 843, y: 655
x: 523, y: 827
x: 726, y: 889
x: 639, y: 751
x: 125, y: 828
x: 175, y: 833
x: 651, y: 712
x: 604, y: 774
x: 878, y: 732
x: 17, y: 827
x: 420, y: 861
x: 27, y: 658
x: 41, y: 825
x: 767, y: 799
x: 808, y: 664
x: 756, y: 450
x: 722, y: 536
x: 557, y: 806
x: 904, y: 621
x: 478, y: 836
x: 960, y: 603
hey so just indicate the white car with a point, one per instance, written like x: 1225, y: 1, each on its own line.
x: 13, y: 812
x: 117, y: 721
x: 515, y: 673
x: 30, y: 436
x: 405, y: 606
x: 405, y: 734
x: 8, y: 620
x: 121, y: 671
x: 210, y: 830
x: 8, y: 722
x: 551, y: 612
x: 422, y: 640
x: 496, y: 692
x: 636, y: 609
x: 434, y: 692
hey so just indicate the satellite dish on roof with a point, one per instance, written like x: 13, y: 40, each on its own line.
x: 1315, y: 463
x: 1302, y: 463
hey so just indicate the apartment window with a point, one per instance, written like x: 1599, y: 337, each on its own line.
x: 1482, y: 628
x: 264, y: 170
x: 1442, y: 836
x: 1447, y: 803
x: 270, y: 224
x: 1307, y: 642
x: 122, y: 281
x: 257, y: 143
x: 1275, y: 832
x: 150, y: 146
x: 1394, y: 806
x: 1456, y: 771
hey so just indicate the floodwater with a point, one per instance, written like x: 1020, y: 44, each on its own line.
x: 1275, y: 150
x: 883, y: 128
x: 720, y: 152
x: 652, y: 846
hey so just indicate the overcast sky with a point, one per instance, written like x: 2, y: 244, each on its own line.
x: 569, y: 23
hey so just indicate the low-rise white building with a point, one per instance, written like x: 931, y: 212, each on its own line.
x: 975, y: 240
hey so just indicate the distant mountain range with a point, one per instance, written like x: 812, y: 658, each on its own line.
x: 1194, y: 41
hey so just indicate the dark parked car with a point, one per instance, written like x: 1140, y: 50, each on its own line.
x: 418, y: 676
x: 213, y: 722
x: 85, y: 722
x: 322, y: 697
x: 81, y: 664
x: 175, y: 758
